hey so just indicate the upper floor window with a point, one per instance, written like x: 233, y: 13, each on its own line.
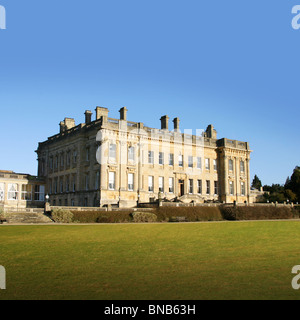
x: 87, y: 154
x: 199, y: 163
x: 112, y: 152
x: 215, y: 165
x: 131, y: 153
x: 161, y: 158
x: 180, y: 160
x: 190, y: 161
x: 151, y: 157
x: 207, y: 164
x: 230, y: 164
x: 171, y: 159
x: 242, y: 166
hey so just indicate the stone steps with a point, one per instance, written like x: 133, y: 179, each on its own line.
x: 25, y: 217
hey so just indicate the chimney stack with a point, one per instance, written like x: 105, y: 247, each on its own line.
x: 176, y: 124
x: 67, y: 124
x: 164, y: 122
x: 123, y: 113
x: 102, y: 113
x: 88, y: 116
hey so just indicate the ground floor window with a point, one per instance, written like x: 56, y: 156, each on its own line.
x: 191, y: 189
x: 39, y: 193
x: 171, y: 185
x: 199, y: 186
x: 2, y: 191
x: 112, y: 179
x: 243, y: 189
x: 26, y: 192
x: 12, y: 191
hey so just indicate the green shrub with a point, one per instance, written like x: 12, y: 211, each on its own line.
x: 62, y: 215
x: 191, y: 214
x: 257, y: 213
x: 144, y: 217
x: 102, y: 216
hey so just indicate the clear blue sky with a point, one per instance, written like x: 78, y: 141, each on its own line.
x: 233, y: 64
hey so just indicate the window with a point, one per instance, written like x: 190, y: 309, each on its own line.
x: 61, y: 186
x: 191, y: 189
x: 97, y: 180
x: 111, y: 180
x: 12, y: 191
x: 243, y: 189
x: 207, y: 164
x: 180, y: 160
x: 75, y: 157
x: 50, y: 186
x: 130, y: 181
x: 87, y: 182
x: 231, y: 188
x: 74, y: 184
x: 171, y: 159
x: 68, y: 158
x: 2, y: 191
x: 161, y: 158
x: 131, y: 153
x: 151, y: 157
x: 207, y: 187
x: 72, y: 203
x: 215, y: 165
x: 51, y: 163
x: 199, y: 163
x: 39, y: 193
x: 199, y: 186
x: 87, y: 154
x: 171, y: 185
x: 190, y: 161
x: 55, y: 186
x: 242, y: 166
x: 216, y: 187
x: 67, y: 185
x: 112, y: 152
x: 150, y: 183
x: 62, y: 160
x: 26, y: 192
x: 56, y: 162
x: 230, y: 164
x: 161, y: 184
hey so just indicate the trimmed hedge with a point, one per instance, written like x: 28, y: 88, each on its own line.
x: 62, y: 215
x: 102, y: 216
x: 192, y: 214
x: 144, y: 217
x: 257, y: 213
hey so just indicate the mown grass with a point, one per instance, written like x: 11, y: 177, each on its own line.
x: 219, y: 260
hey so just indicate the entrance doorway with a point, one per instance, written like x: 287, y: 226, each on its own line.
x: 181, y: 188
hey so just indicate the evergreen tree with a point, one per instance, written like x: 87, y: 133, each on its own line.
x: 256, y: 183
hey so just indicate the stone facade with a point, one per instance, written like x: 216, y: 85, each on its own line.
x: 119, y: 162
x: 18, y: 191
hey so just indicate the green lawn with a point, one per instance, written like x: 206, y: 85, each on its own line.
x: 222, y: 260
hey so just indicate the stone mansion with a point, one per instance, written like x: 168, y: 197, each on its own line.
x: 115, y: 161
